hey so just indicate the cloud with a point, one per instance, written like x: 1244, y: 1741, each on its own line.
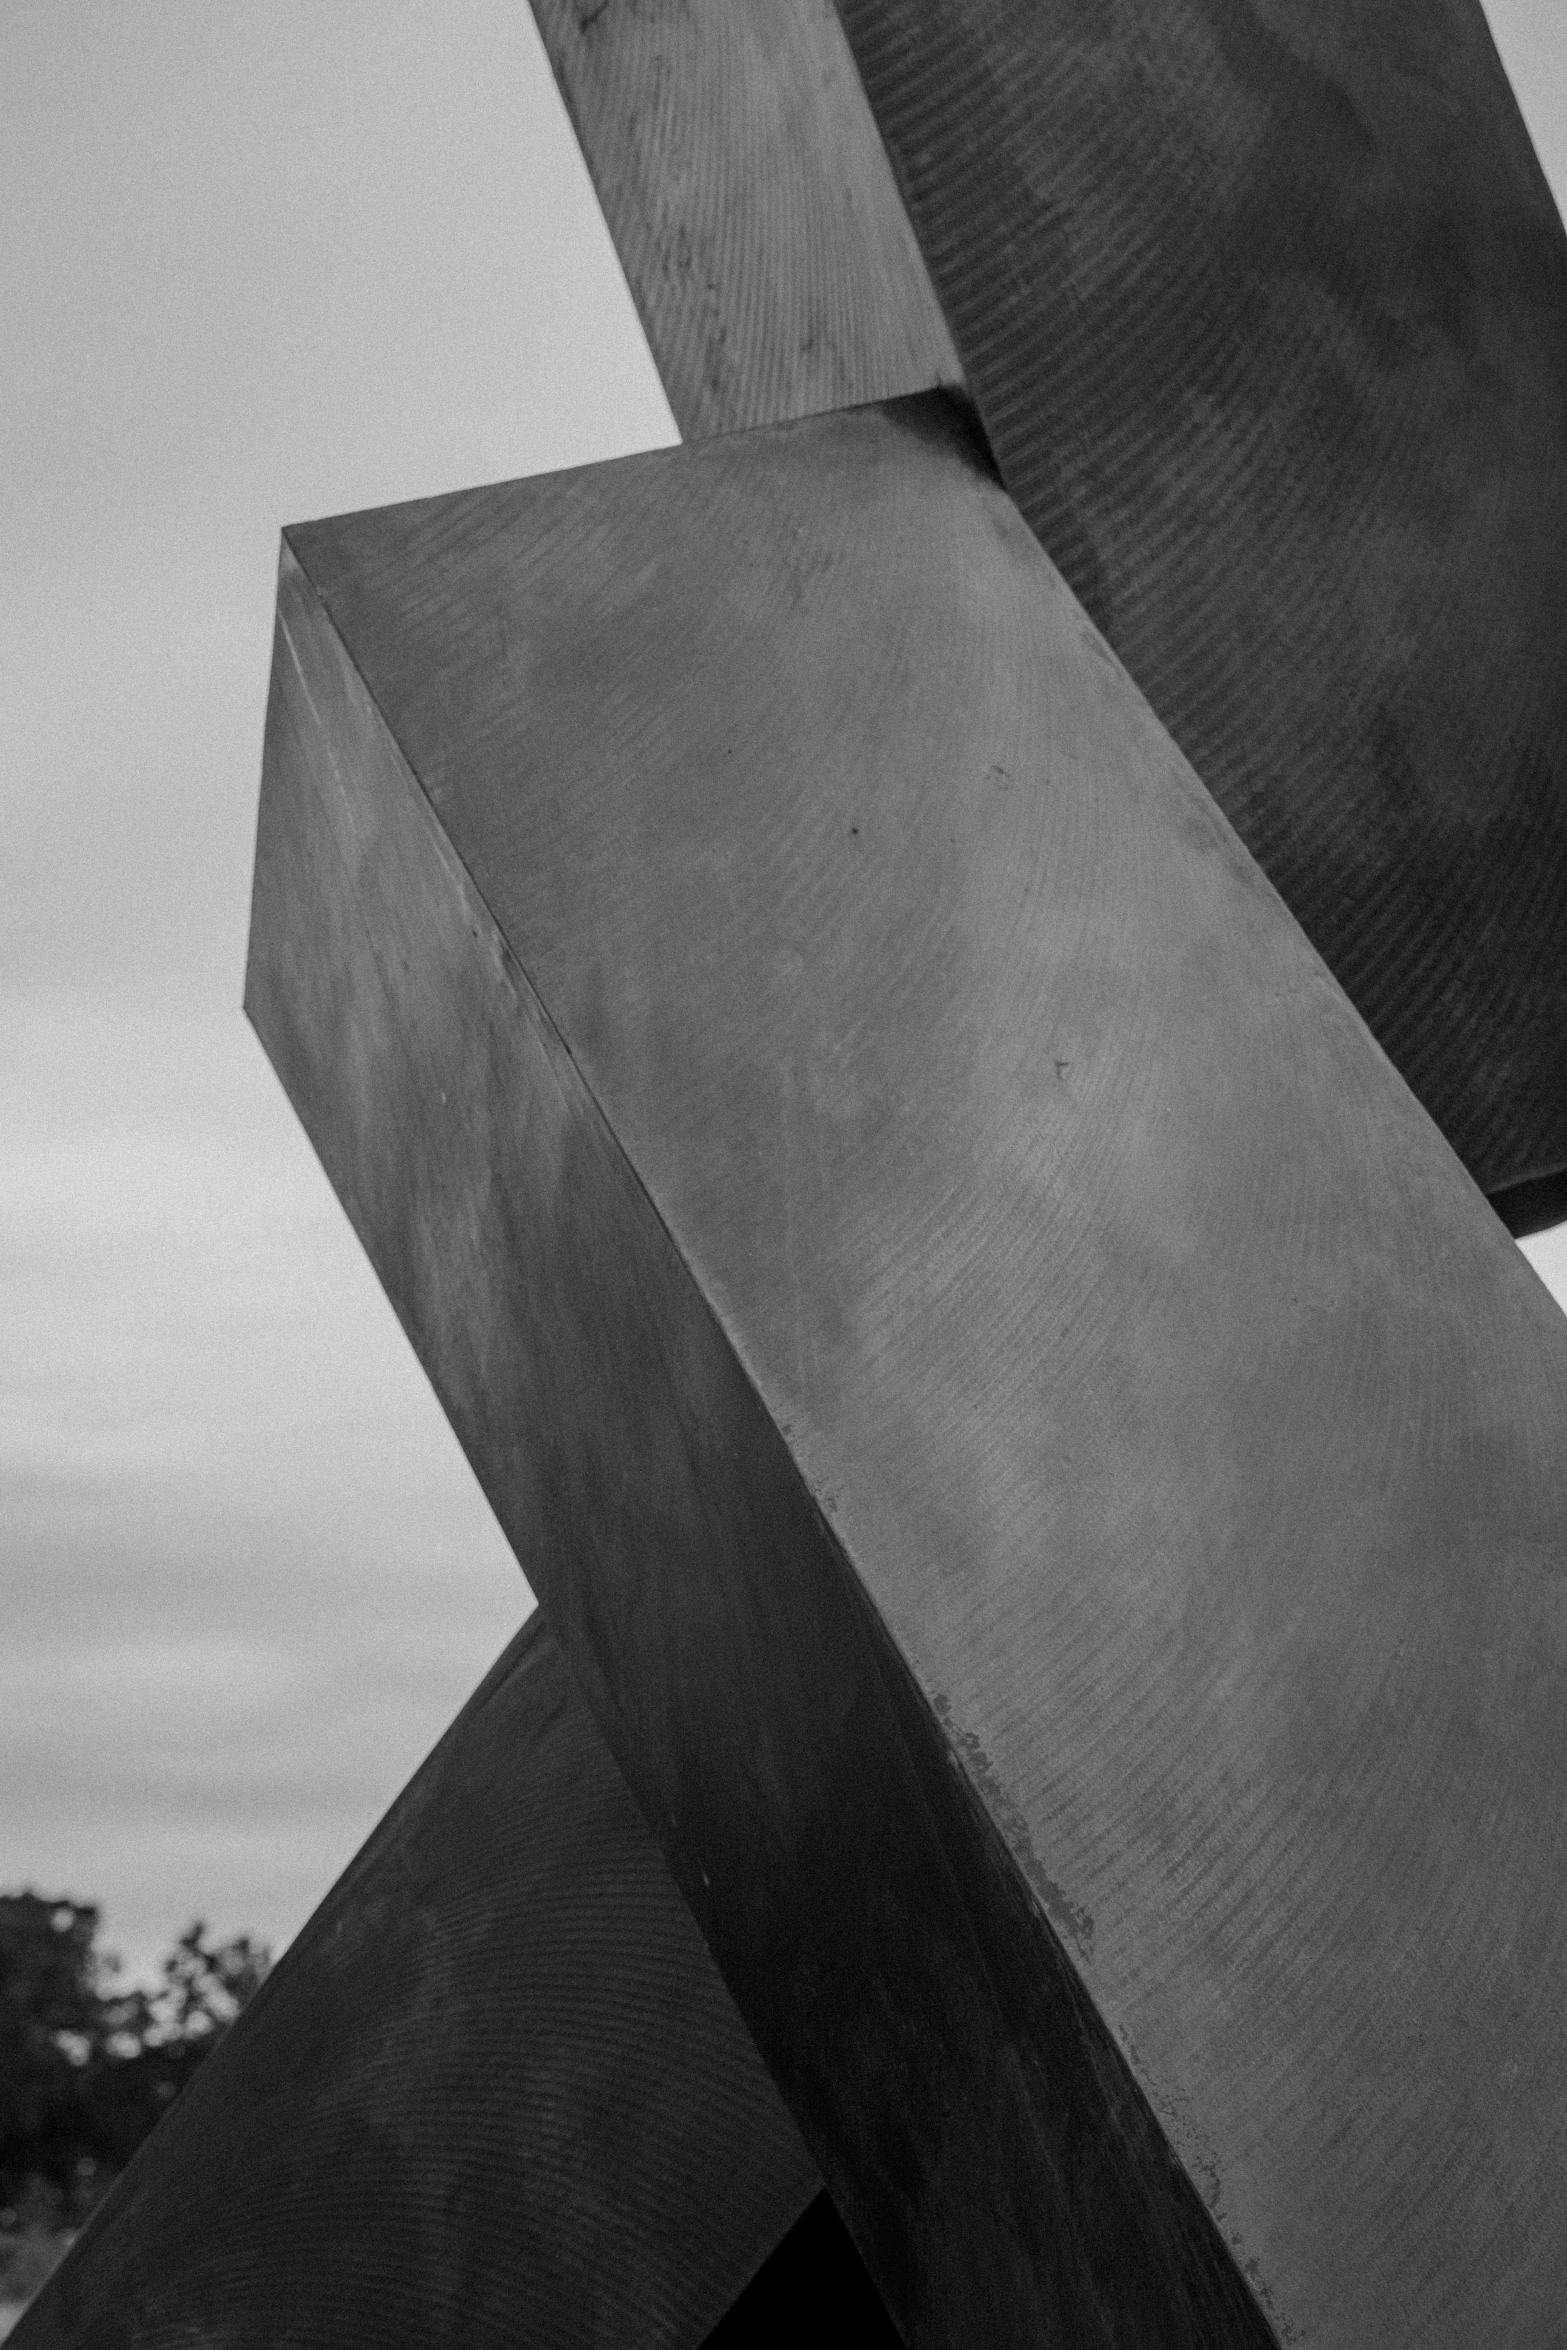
x: 258, y: 267
x: 245, y: 1573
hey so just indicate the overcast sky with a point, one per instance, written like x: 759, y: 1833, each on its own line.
x: 262, y: 259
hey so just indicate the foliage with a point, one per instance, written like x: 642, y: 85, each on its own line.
x: 87, y: 2068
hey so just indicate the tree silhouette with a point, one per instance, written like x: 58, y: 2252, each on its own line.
x: 86, y: 2068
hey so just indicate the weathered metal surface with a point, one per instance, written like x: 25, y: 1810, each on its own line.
x: 752, y: 205
x: 494, y: 2092
x: 1264, y: 304
x: 1045, y: 1467
x: 1264, y: 307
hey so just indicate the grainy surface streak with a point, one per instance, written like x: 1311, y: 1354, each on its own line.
x: 751, y: 203
x: 1047, y: 1471
x: 1264, y: 305
x: 493, y: 2093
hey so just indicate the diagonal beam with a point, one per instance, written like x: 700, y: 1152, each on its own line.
x: 752, y: 206
x: 1264, y: 309
x: 493, y: 2091
x: 1045, y: 1468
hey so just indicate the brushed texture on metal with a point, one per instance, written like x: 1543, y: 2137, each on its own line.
x: 493, y: 2093
x: 1264, y: 305
x: 751, y: 203
x: 1046, y: 1469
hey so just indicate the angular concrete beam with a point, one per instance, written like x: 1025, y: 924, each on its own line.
x: 1266, y: 319
x: 752, y: 206
x: 493, y: 2092
x: 1046, y: 1470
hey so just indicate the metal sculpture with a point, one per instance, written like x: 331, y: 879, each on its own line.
x: 924, y: 1258
x: 495, y: 2073
x: 1044, y: 1467
x: 1264, y: 310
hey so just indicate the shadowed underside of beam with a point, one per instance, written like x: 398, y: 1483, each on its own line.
x: 494, y: 2092
x: 1049, y: 1473
x: 1264, y: 308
